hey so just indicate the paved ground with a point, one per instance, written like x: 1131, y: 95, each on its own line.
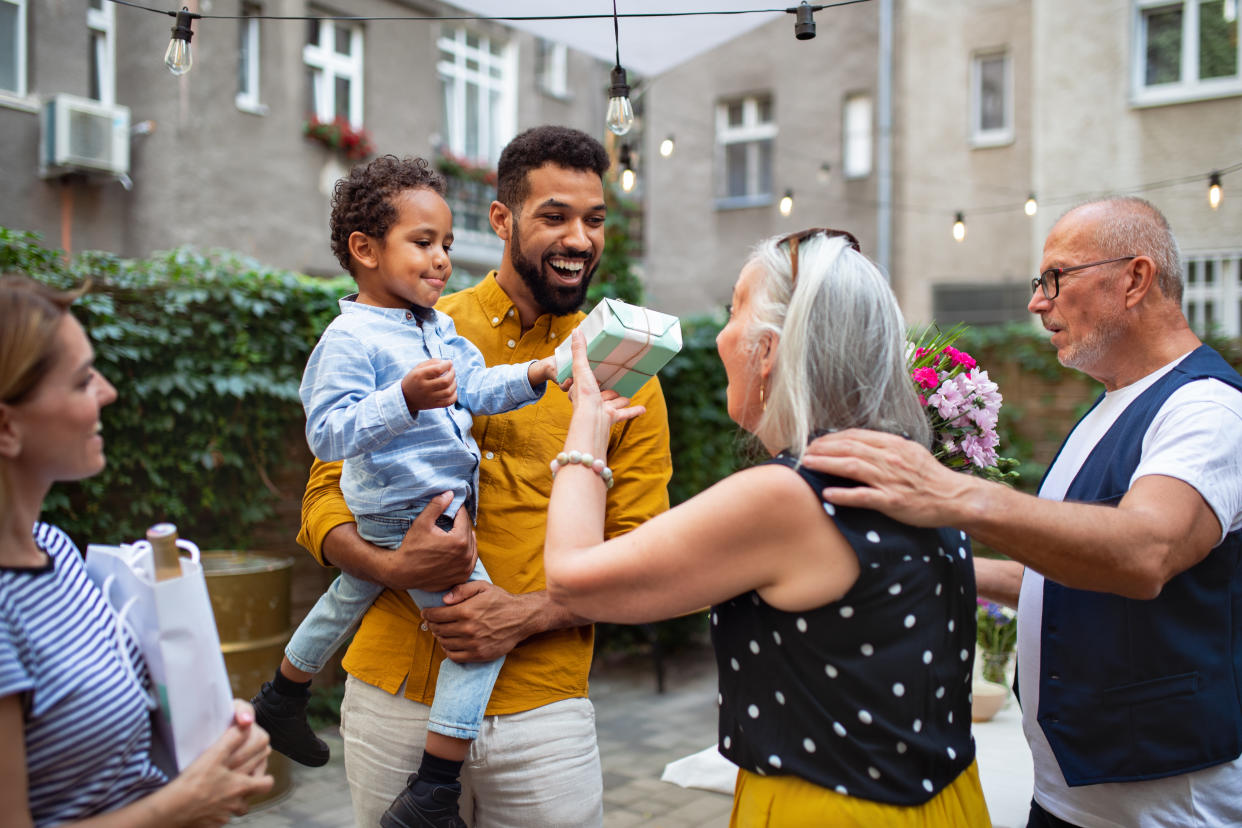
x: 640, y: 731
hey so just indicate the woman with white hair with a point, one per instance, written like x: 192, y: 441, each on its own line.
x: 844, y: 640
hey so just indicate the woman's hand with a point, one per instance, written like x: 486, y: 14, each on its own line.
x: 584, y: 391
x: 217, y: 784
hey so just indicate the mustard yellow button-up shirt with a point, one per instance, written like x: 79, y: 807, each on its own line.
x: 515, y: 483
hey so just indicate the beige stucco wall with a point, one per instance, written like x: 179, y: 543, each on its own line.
x: 694, y: 250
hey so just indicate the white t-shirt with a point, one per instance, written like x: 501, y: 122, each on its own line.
x: 1196, y: 437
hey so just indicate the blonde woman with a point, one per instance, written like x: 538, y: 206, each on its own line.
x: 844, y: 640
x: 75, y: 733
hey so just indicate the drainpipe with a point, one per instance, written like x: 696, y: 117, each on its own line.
x: 884, y: 142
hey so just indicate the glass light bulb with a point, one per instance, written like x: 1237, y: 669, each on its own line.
x: 627, y: 180
x: 786, y: 205
x: 178, y: 57
x: 620, y: 115
x: 1215, y: 196
x: 959, y: 230
x: 667, y: 146
x: 1032, y: 206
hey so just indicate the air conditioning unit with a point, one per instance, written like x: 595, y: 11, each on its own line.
x: 85, y: 136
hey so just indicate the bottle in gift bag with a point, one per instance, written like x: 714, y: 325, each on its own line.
x: 163, y: 540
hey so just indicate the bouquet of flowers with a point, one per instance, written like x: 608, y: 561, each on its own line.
x: 997, y: 638
x: 961, y: 403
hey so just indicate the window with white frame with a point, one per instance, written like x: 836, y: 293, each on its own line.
x: 745, y: 132
x: 248, y: 59
x: 13, y: 47
x: 333, y: 58
x: 856, y: 136
x: 1186, y: 50
x: 101, y: 21
x: 1212, y: 296
x: 552, y: 67
x: 477, y: 87
x: 991, y: 100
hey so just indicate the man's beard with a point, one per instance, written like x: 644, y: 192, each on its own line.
x: 1095, y: 346
x: 557, y: 300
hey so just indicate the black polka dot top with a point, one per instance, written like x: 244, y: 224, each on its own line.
x: 868, y: 696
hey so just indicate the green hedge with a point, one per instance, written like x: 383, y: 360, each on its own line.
x: 206, y: 351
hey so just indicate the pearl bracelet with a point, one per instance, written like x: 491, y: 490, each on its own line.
x: 595, y: 464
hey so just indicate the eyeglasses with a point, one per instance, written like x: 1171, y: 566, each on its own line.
x: 794, y: 239
x: 1053, y: 276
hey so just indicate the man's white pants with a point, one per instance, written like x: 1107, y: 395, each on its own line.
x: 537, y: 769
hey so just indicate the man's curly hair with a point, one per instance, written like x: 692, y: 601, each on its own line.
x: 541, y: 145
x: 363, y: 200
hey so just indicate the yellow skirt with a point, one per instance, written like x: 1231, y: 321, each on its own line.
x: 791, y: 802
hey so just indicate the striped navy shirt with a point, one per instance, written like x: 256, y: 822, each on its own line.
x: 395, y: 462
x: 87, y: 728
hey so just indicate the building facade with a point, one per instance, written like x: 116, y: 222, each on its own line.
x: 217, y: 157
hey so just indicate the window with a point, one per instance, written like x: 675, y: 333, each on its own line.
x: 991, y: 100
x: 1212, y: 297
x: 248, y: 59
x: 13, y: 47
x: 744, y: 135
x: 552, y: 68
x: 477, y: 76
x: 856, y: 136
x: 101, y: 20
x: 1185, y: 50
x: 979, y: 304
x: 333, y: 58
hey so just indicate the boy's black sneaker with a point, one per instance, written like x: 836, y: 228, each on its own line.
x: 428, y: 807
x: 284, y: 719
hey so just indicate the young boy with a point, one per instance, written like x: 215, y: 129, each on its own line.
x: 404, y: 434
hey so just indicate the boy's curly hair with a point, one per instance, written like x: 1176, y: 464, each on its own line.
x: 363, y: 200
x: 565, y: 147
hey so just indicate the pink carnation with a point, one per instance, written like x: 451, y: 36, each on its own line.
x: 961, y: 358
x: 926, y: 377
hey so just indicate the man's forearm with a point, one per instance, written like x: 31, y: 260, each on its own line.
x: 345, y: 549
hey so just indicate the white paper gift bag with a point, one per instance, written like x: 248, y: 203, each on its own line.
x: 174, y: 626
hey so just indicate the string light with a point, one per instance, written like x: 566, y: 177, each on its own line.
x: 178, y: 57
x: 667, y: 146
x: 1215, y: 195
x: 804, y: 20
x: 620, y: 111
x: 824, y: 173
x: 1032, y: 206
x: 787, y: 204
x: 959, y: 227
x: 626, y: 161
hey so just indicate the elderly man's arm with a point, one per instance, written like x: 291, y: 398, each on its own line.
x: 1161, y: 528
x: 428, y: 558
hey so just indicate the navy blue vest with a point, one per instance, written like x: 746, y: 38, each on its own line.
x: 1131, y: 689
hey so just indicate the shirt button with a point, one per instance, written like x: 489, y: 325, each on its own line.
x: 495, y: 320
x: 552, y: 335
x: 510, y: 313
x: 512, y: 344
x: 489, y: 455
x: 408, y: 316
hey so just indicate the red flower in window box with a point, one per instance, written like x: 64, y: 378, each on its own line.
x: 338, y: 134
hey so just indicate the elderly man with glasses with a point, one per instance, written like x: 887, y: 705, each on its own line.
x: 1127, y: 569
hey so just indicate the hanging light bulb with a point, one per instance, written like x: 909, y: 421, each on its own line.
x: 178, y: 57
x: 786, y: 205
x: 804, y: 20
x: 626, y: 161
x: 620, y: 111
x: 959, y: 227
x: 1215, y: 194
x: 824, y: 174
x: 667, y: 146
x: 1032, y: 206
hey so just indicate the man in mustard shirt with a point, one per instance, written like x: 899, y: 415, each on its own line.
x: 536, y: 762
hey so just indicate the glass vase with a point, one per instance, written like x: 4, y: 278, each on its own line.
x: 996, y: 667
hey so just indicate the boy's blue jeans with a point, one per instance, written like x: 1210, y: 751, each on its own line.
x: 462, y: 690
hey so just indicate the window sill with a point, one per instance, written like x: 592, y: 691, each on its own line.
x: 250, y: 106
x: 1169, y: 94
x: 990, y: 140
x: 743, y: 202
x: 27, y: 103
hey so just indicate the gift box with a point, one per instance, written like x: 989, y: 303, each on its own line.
x: 626, y: 345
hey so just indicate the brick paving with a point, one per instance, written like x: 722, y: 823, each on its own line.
x: 640, y: 731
